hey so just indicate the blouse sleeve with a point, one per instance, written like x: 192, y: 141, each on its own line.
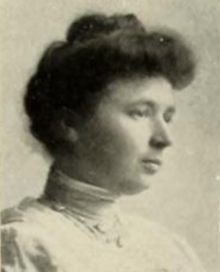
x: 22, y: 253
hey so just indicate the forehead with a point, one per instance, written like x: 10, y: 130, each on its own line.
x: 137, y: 91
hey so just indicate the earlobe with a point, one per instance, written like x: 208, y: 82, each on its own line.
x: 68, y: 132
x: 71, y: 134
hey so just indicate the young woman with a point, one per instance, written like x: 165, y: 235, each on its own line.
x: 101, y: 103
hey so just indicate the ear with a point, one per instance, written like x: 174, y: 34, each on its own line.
x: 68, y: 126
x: 72, y: 135
x: 68, y: 132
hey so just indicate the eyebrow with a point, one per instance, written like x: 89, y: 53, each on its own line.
x: 171, y: 109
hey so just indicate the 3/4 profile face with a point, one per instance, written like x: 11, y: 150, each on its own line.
x: 121, y: 147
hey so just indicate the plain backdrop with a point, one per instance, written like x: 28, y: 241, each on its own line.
x: 184, y: 196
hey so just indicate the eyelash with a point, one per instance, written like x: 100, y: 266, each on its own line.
x: 168, y: 118
x: 138, y: 114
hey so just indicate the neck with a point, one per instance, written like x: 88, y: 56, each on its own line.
x: 81, y: 199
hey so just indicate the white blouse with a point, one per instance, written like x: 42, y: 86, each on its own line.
x: 75, y: 227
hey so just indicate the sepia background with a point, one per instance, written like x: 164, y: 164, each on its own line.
x: 184, y: 196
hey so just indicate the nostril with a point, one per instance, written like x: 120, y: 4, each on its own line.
x: 160, y: 143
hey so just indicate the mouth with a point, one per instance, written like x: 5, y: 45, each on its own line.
x: 151, y: 166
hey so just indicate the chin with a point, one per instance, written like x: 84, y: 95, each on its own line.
x: 135, y: 187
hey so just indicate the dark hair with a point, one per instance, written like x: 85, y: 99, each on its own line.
x: 73, y: 74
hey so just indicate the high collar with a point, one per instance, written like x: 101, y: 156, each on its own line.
x: 91, y: 204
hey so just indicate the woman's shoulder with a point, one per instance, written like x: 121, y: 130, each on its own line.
x: 36, y: 218
x: 25, y: 225
x: 23, y: 241
x: 17, y: 213
x: 33, y: 235
x: 158, y: 240
x: 27, y: 215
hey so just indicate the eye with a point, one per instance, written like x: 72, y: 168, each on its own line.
x: 141, y: 113
x: 168, y: 116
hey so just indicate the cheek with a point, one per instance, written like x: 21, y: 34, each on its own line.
x: 121, y: 142
x: 134, y: 135
x: 115, y: 143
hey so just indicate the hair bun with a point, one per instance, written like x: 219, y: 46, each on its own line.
x: 88, y: 27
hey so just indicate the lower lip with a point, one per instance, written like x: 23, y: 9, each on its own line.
x: 151, y: 167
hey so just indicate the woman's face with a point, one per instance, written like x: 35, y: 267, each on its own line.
x: 122, y: 146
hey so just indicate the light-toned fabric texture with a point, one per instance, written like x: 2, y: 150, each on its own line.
x: 75, y: 227
x: 36, y: 238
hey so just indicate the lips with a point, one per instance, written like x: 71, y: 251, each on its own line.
x: 151, y: 166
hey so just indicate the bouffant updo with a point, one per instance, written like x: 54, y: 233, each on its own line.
x: 72, y: 75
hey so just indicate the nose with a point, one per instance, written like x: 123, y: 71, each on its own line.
x: 160, y: 138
